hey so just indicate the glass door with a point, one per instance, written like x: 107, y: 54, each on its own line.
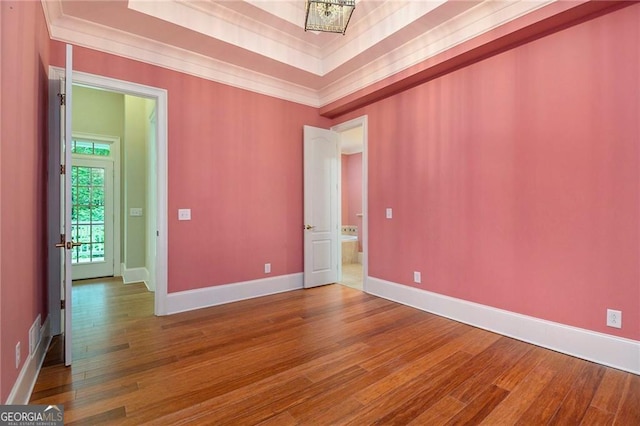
x: 92, y: 216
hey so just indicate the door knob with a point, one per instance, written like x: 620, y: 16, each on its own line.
x: 71, y: 244
x: 307, y: 227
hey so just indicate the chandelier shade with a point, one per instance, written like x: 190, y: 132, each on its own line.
x: 328, y: 15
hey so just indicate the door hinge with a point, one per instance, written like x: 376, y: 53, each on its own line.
x: 62, y: 98
x: 62, y: 304
x: 63, y: 169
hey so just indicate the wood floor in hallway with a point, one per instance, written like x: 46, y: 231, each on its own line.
x: 325, y: 356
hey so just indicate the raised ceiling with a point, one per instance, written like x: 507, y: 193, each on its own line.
x: 260, y: 45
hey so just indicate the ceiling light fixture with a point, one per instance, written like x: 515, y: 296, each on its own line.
x: 330, y: 16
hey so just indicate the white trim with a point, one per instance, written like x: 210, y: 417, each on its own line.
x: 218, y: 295
x: 363, y: 257
x: 613, y: 351
x: 134, y: 275
x: 23, y: 387
x: 329, y: 83
x: 161, y: 97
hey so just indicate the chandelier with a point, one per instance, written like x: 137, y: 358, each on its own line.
x: 328, y: 15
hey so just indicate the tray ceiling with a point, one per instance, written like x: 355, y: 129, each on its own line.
x: 260, y: 45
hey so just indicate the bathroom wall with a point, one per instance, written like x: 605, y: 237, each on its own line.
x: 352, y: 179
x: 344, y: 192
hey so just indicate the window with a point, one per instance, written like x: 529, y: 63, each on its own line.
x: 90, y: 148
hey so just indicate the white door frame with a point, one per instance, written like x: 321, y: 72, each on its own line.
x: 114, y: 142
x: 339, y: 128
x: 161, y: 98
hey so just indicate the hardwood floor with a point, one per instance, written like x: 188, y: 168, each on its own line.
x: 324, y: 356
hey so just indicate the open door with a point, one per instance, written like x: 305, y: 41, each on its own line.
x: 66, y: 243
x: 320, y: 206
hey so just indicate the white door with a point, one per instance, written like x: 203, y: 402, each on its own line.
x: 66, y: 243
x: 320, y: 206
x: 92, y: 216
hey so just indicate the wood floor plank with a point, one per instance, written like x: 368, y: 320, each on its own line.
x: 629, y: 411
x: 597, y: 417
x: 521, y: 397
x: 577, y: 401
x: 609, y: 394
x: 330, y: 355
x: 440, y: 413
x: 480, y: 407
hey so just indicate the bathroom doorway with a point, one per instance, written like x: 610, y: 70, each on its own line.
x: 352, y: 203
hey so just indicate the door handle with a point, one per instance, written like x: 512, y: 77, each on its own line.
x: 71, y: 244
x: 61, y: 244
x: 307, y: 227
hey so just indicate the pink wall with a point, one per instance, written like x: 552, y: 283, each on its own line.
x: 352, y: 192
x: 344, y: 196
x: 235, y: 159
x: 514, y: 181
x: 25, y: 58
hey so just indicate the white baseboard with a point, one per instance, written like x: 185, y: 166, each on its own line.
x: 613, y: 351
x: 21, y: 391
x: 221, y: 294
x: 134, y: 275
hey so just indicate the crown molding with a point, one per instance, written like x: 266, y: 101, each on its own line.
x: 79, y: 32
x: 476, y: 21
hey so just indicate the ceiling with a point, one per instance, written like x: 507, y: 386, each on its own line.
x: 260, y: 45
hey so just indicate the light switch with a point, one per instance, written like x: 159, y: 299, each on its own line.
x: 389, y: 213
x: 184, y: 214
x: 135, y: 211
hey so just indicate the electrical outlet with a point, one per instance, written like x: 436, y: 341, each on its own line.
x: 417, y: 277
x: 17, y: 355
x: 267, y: 268
x: 614, y: 318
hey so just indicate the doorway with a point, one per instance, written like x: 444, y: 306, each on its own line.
x: 155, y: 204
x: 353, y: 191
x: 110, y: 215
x: 93, y: 212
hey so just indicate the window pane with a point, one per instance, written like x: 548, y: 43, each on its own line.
x: 84, y: 176
x: 101, y: 149
x: 84, y: 214
x: 97, y: 214
x: 97, y: 252
x: 97, y: 197
x: 84, y: 253
x: 74, y: 175
x: 87, y: 150
x: 97, y: 234
x: 97, y: 176
x: 84, y: 196
x: 84, y: 234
